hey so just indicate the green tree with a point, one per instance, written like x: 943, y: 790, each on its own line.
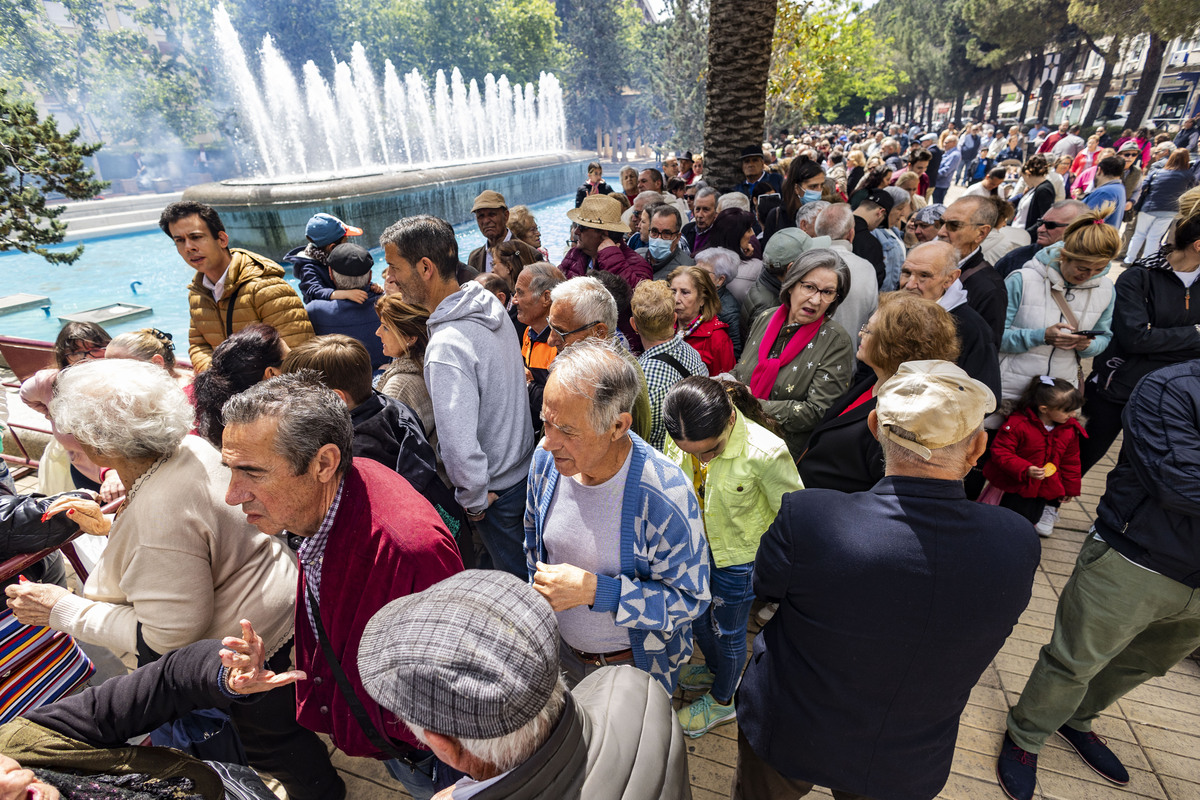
x: 825, y: 58
x: 599, y: 40
x: 39, y: 160
x: 676, y: 53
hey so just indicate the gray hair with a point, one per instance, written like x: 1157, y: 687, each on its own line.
x: 508, y: 752
x: 723, y: 262
x: 836, y: 222
x: 668, y: 210
x: 596, y: 369
x: 810, y: 211
x: 952, y: 456
x: 819, y: 258
x: 341, y: 281
x: 1078, y: 206
x: 708, y: 191
x: 543, y: 277
x: 121, y: 407
x: 732, y: 200
x: 308, y: 413
x: 649, y: 198
x: 589, y: 299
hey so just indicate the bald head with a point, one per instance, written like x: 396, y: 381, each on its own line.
x: 930, y: 269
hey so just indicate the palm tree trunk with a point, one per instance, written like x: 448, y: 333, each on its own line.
x: 739, y: 60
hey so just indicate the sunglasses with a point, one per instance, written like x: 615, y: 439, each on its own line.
x: 1050, y: 225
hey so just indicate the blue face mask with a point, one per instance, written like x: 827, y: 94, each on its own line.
x: 810, y: 195
x: 660, y: 248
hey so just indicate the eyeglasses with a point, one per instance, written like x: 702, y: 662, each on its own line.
x: 571, y: 243
x: 79, y: 355
x: 563, y: 335
x: 691, y: 198
x: 1051, y: 225
x: 863, y: 330
x: 655, y: 233
x: 953, y: 225
x: 812, y: 289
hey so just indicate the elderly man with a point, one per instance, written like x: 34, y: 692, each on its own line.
x: 613, y: 533
x: 704, y: 213
x: 670, y: 167
x: 532, y: 300
x: 491, y: 215
x: 602, y: 242
x: 1049, y: 230
x: 323, y: 232
x: 476, y: 381
x: 806, y: 217
x: 582, y: 308
x: 232, y: 288
x: 926, y: 223
x: 837, y: 222
x: 947, y: 167
x: 931, y: 271
x: 1131, y: 609
x: 478, y: 679
x: 288, y: 444
x: 635, y: 214
x: 662, y: 251
x: 848, y: 687
x: 754, y: 171
x: 965, y: 224
x: 668, y: 358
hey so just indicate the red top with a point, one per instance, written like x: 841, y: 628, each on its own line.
x: 712, y: 342
x: 862, y: 398
x: 1024, y: 442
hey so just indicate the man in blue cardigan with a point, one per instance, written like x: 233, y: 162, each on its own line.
x: 892, y: 602
x: 613, y: 535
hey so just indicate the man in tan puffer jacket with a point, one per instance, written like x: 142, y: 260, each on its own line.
x: 233, y: 288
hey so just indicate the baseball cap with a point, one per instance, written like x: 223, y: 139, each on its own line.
x: 1130, y: 145
x: 929, y: 137
x: 881, y: 198
x: 789, y: 244
x: 488, y: 199
x: 474, y: 656
x: 933, y: 400
x: 325, y: 229
x: 350, y: 259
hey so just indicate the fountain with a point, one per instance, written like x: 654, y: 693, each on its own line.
x: 371, y: 151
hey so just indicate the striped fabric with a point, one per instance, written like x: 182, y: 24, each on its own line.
x: 37, y: 666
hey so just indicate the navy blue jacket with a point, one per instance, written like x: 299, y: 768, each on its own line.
x: 1015, y: 259
x: 356, y: 320
x: 892, y: 604
x: 315, y: 283
x: 1150, y: 511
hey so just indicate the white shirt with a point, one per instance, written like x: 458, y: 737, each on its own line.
x: 954, y: 297
x: 1188, y: 278
x: 218, y: 288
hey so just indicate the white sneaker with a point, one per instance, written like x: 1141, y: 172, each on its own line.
x: 1045, y: 525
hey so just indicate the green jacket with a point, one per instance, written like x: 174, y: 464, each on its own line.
x: 743, y: 491
x: 806, y: 388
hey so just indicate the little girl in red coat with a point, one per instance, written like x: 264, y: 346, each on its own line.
x: 1035, y: 456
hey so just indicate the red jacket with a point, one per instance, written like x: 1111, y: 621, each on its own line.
x: 713, y: 344
x: 387, y: 542
x: 1024, y: 442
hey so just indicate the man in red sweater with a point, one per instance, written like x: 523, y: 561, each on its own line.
x: 288, y: 442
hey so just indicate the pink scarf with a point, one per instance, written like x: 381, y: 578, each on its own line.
x: 762, y: 380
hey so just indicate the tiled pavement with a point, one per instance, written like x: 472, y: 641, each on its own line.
x: 1155, y: 730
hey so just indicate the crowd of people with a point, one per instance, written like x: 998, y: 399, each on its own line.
x: 825, y: 388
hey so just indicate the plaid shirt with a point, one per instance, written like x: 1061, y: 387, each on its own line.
x: 312, y: 554
x: 661, y: 376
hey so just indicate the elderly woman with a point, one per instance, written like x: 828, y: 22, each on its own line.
x: 722, y: 265
x: 181, y: 564
x: 798, y: 360
x: 696, y: 307
x: 524, y: 227
x: 1060, y: 307
x: 842, y: 453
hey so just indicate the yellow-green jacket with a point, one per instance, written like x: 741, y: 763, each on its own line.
x: 744, y: 489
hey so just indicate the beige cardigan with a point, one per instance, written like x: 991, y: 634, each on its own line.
x: 184, y: 565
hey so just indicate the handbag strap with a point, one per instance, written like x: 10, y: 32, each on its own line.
x: 1061, y: 301
x: 229, y: 311
x: 381, y: 742
x: 672, y: 362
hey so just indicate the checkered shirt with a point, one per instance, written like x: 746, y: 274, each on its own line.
x: 661, y: 376
x: 312, y: 554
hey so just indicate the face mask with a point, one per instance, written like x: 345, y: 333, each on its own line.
x: 660, y: 248
x: 810, y: 195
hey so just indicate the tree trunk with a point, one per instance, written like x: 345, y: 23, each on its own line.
x: 981, y: 108
x: 1101, y: 92
x: 997, y: 93
x: 928, y: 112
x: 1148, y: 84
x: 739, y: 60
x: 958, y: 104
x: 1035, y: 66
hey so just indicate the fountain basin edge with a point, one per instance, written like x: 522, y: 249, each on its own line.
x: 270, y: 217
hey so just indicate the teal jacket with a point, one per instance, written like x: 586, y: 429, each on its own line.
x: 743, y: 491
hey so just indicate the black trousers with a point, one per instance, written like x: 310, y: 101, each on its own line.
x: 1030, y: 508
x: 1103, y: 425
x: 278, y: 745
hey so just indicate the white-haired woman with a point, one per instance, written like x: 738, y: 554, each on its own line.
x: 724, y: 265
x: 180, y: 565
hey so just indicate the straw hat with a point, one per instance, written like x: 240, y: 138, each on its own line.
x: 599, y: 211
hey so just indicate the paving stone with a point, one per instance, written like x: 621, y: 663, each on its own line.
x: 1171, y: 764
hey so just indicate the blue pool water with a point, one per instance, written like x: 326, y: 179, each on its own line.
x: 108, y: 266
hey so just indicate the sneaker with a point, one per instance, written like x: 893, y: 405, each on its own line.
x: 1016, y: 769
x: 766, y: 612
x: 695, y: 677
x: 1094, y: 751
x: 1045, y: 525
x: 705, y: 714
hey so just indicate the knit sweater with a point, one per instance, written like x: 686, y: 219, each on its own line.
x: 182, y: 565
x: 404, y: 380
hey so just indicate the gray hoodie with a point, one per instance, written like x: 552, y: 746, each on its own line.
x: 486, y: 444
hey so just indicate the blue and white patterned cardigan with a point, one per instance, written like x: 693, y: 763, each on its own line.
x: 663, y: 584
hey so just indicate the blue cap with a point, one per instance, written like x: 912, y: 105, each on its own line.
x: 325, y: 229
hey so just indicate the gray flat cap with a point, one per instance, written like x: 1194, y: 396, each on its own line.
x: 475, y: 656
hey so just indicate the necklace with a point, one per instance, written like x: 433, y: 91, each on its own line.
x: 692, y: 328
x: 137, y: 484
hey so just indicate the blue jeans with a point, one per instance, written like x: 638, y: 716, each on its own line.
x: 721, y: 632
x: 502, y: 530
x: 424, y: 780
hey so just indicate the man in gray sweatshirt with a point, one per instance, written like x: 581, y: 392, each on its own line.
x: 486, y: 444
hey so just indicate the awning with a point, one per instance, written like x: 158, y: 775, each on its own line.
x: 1009, y: 107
